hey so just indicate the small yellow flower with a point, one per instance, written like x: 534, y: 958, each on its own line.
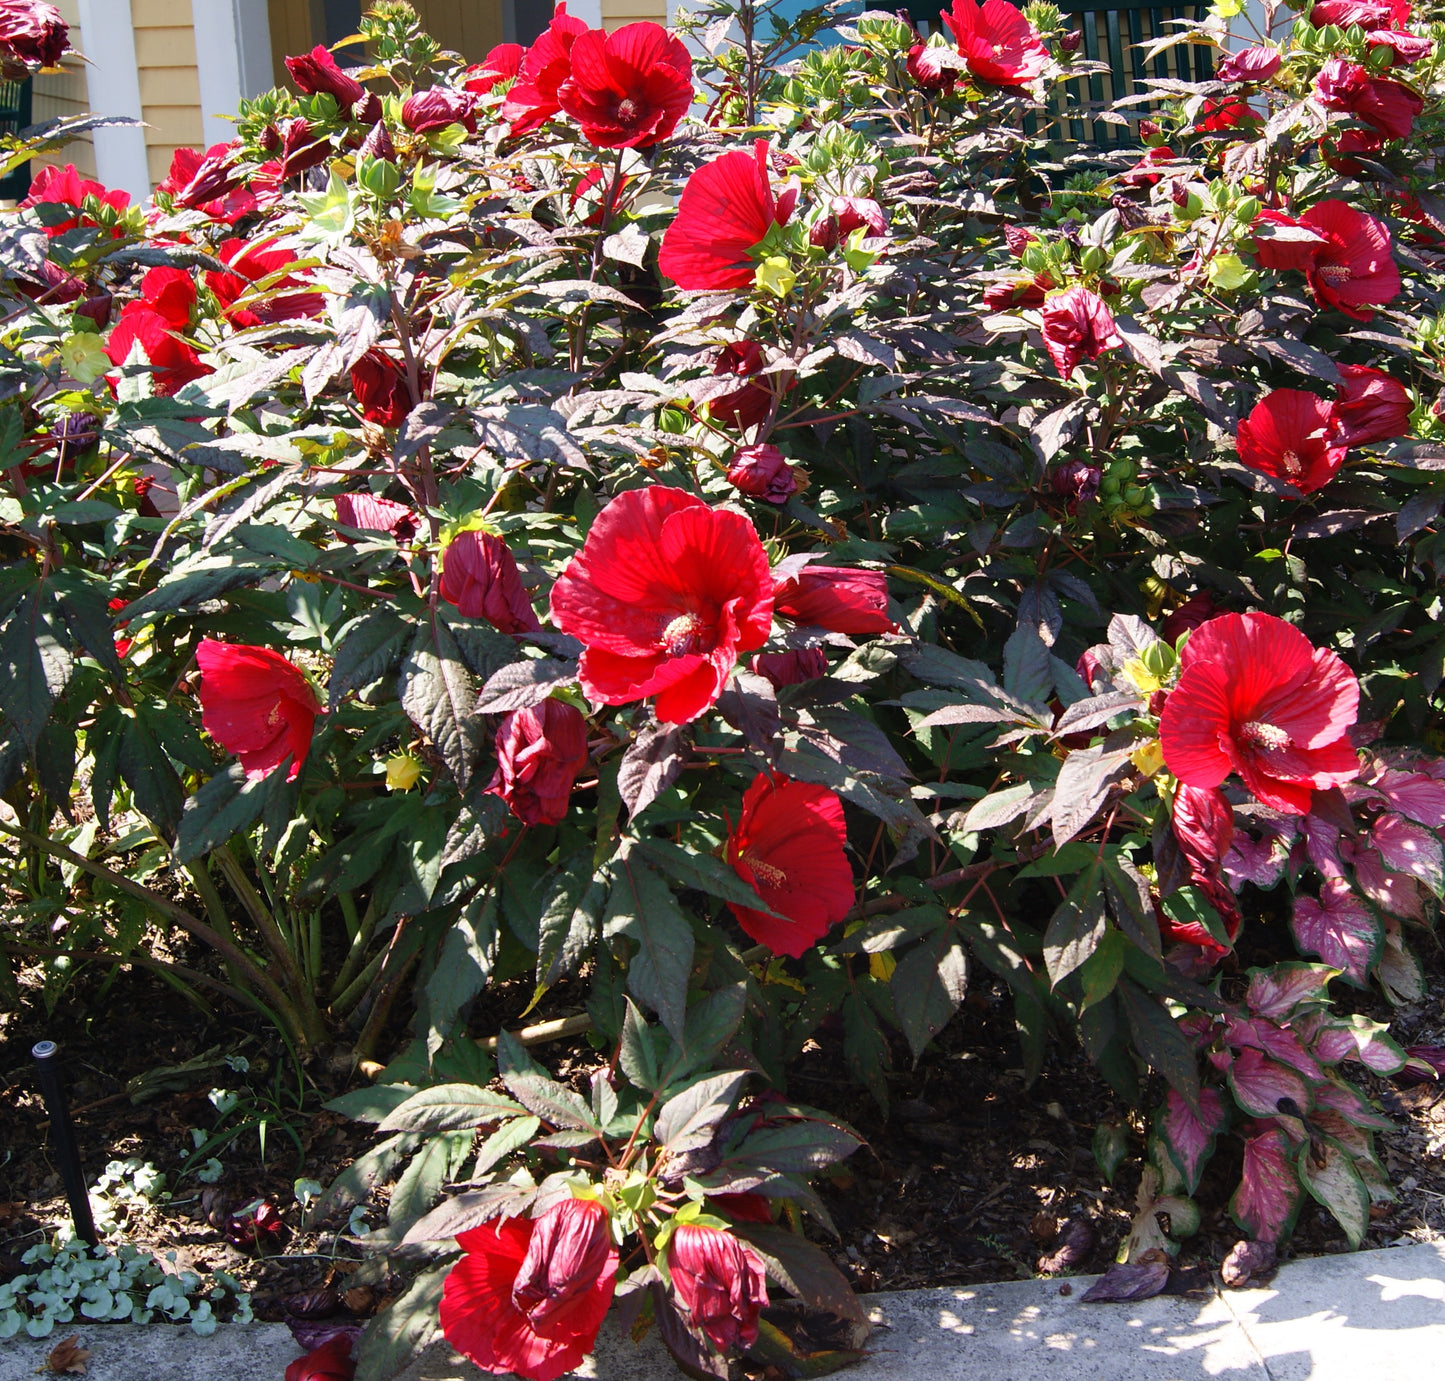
x: 1148, y: 757
x: 776, y: 276
x: 402, y: 771
x: 1229, y: 271
x: 1144, y: 680
x: 84, y: 357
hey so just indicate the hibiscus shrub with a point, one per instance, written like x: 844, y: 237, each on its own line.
x: 763, y: 530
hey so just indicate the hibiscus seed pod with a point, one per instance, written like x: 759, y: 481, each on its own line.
x: 1248, y: 1263
x: 1075, y: 1245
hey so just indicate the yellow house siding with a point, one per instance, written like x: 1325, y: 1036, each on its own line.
x: 469, y: 27
x: 170, y: 93
x: 64, y: 95
x: 616, y: 13
x: 294, y: 26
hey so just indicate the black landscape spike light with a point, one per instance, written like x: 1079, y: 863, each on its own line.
x: 62, y: 1134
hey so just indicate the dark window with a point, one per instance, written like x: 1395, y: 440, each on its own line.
x: 532, y: 16
x: 342, y: 18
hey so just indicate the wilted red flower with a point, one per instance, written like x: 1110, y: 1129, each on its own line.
x: 1016, y: 294
x: 65, y: 187
x: 211, y: 182
x: 1288, y: 434
x: 259, y: 1224
x: 1340, y: 151
x: 788, y: 843
x: 32, y: 35
x: 1197, y: 609
x: 250, y: 261
x: 257, y: 705
x: 926, y: 69
x: 1388, y: 106
x: 1077, y: 326
x: 665, y: 593
x: 726, y: 209
x: 1368, y: 14
x: 317, y: 72
x: 627, y: 89
x: 303, y: 146
x: 1406, y: 48
x: 1203, y: 826
x: 720, y: 1281
x: 843, y: 217
x: 500, y: 65
x: 743, y: 1208
x: 373, y: 514
x: 1372, y: 406
x: 540, y: 751
x: 532, y: 101
x: 838, y: 598
x: 529, y: 1297
x: 1353, y: 270
x: 1256, y: 698
x: 1143, y: 173
x: 997, y: 42
x: 332, y: 1361
x: 749, y: 403
x: 436, y: 108
x: 379, y: 384
x: 1076, y: 482
x: 1249, y: 65
x: 479, y: 576
x: 762, y: 472
x: 791, y: 668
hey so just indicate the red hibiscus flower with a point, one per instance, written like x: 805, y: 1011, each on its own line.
x: 500, y: 65
x: 1143, y: 173
x: 33, y: 34
x: 65, y: 187
x: 1340, y: 151
x: 249, y: 262
x: 721, y: 1282
x: 1203, y: 826
x: 379, y: 384
x: 1249, y: 65
x: 1281, y: 242
x: 665, y: 593
x: 153, y: 323
x: 627, y: 89
x: 845, y: 215
x: 529, y: 1296
x: 332, y: 1361
x: 437, y: 107
x: 257, y: 705
x: 1368, y: 14
x: 212, y: 183
x: 317, y: 71
x: 1387, y: 106
x: 838, y: 598
x: 748, y: 404
x: 995, y: 40
x: 589, y: 199
x: 479, y: 576
x: 540, y: 751
x: 926, y: 69
x: 791, y: 668
x: 762, y: 472
x: 725, y: 211
x: 1226, y: 113
x: 372, y: 514
x: 788, y: 843
x: 1077, y: 326
x: 1256, y: 698
x: 1353, y: 270
x: 1289, y: 435
x: 1372, y: 406
x: 532, y: 101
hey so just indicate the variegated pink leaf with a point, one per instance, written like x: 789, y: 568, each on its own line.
x: 1347, y: 1102
x: 1260, y: 861
x: 1277, y: 991
x: 1269, y: 1193
x: 1260, y: 1084
x: 1370, y: 1044
x: 1190, y: 1139
x: 1322, y: 842
x: 1409, y: 848
x: 1328, y: 1171
x: 1414, y: 794
x: 1396, y: 893
x: 1278, y: 1041
x: 1340, y: 928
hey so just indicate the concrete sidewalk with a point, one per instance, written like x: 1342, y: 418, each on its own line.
x: 1367, y: 1316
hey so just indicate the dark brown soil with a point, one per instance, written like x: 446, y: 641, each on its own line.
x: 960, y: 1184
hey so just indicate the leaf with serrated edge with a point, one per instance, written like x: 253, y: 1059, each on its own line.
x: 449, y: 1107
x: 689, y: 1120
x: 402, y: 1329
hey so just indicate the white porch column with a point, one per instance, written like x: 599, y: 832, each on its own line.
x: 112, y: 82
x: 588, y: 11
x: 233, y: 59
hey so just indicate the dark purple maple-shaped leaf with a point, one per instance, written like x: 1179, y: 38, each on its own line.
x: 1190, y: 1139
x: 1138, y: 1280
x: 1269, y: 1191
x: 1260, y: 1084
x: 1340, y: 927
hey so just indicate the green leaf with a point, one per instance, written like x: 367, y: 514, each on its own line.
x: 193, y: 582
x: 402, y: 1329
x: 864, y: 1048
x: 84, y: 601
x: 643, y: 909
x: 1100, y: 971
x: 802, y: 1268
x: 154, y: 783
x: 420, y: 1185
x: 370, y: 648
x: 712, y: 1021
x: 1075, y: 929
x: 703, y: 871
x: 229, y: 803
x: 1328, y: 1171
x: 571, y: 911
x: 371, y: 1103
x: 448, y: 1108
x: 688, y: 1120
x: 538, y: 1092
x: 928, y: 985
x: 35, y: 662
x: 462, y: 969
x: 637, y: 1053
x: 437, y: 693
x: 1160, y: 1041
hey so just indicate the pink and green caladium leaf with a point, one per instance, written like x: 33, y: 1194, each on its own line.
x: 1346, y: 1100
x: 1269, y: 1192
x: 1341, y: 928
x: 1328, y: 1171
x: 1357, y: 1038
x: 1260, y: 1085
x: 1415, y: 794
x: 1281, y: 1042
x: 1190, y: 1139
x: 1409, y: 848
x: 1277, y: 992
